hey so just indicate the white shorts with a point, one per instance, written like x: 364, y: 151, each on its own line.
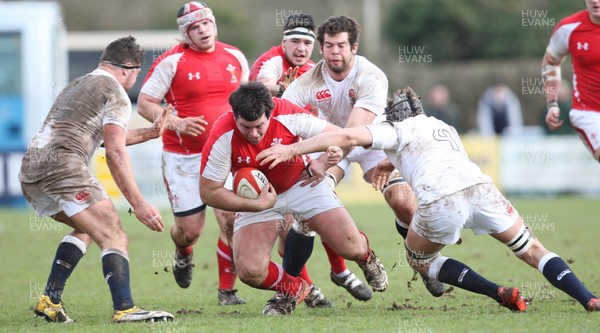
x: 181, y: 174
x: 304, y: 202
x: 587, y: 125
x: 481, y: 208
x: 71, y: 195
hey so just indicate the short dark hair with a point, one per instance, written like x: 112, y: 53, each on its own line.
x: 337, y: 24
x: 251, y: 100
x: 300, y: 20
x: 122, y: 51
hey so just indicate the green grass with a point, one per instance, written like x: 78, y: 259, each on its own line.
x: 566, y: 225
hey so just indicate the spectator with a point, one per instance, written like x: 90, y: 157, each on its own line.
x: 498, y: 111
x: 440, y: 106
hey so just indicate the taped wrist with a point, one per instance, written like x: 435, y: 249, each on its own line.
x: 552, y: 103
x: 551, y: 73
x: 331, y: 180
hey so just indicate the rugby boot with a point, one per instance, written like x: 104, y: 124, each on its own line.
x: 229, y: 297
x: 137, y: 314
x: 53, y: 313
x: 511, y: 299
x: 353, y: 285
x: 182, y: 269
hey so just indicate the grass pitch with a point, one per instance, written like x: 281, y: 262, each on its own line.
x: 565, y: 225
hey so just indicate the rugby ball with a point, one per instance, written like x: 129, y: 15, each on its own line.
x: 248, y: 182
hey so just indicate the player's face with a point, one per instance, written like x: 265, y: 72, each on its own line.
x: 593, y: 7
x: 253, y: 131
x: 338, y: 53
x: 203, y: 35
x: 298, y: 50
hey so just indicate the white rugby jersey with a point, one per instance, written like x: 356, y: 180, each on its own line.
x: 429, y: 155
x: 366, y: 86
x: 73, y: 129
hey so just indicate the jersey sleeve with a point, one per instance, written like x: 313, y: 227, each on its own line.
x: 302, y: 124
x: 372, y: 95
x: 294, y: 94
x: 216, y: 158
x: 158, y: 81
x: 117, y: 109
x: 558, y: 46
x: 385, y: 136
x: 271, y: 69
x: 243, y: 63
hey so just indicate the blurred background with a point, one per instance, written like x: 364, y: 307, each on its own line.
x: 458, y: 55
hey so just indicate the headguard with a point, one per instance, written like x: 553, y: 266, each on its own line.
x: 405, y: 104
x: 191, y: 13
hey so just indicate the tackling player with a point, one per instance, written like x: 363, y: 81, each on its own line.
x: 348, y: 90
x: 452, y: 193
x: 257, y: 122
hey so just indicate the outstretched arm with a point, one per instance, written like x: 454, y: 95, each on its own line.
x: 139, y: 135
x: 344, y: 138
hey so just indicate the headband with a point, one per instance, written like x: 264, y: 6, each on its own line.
x: 299, y: 32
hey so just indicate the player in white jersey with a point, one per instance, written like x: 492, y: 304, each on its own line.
x: 579, y: 35
x: 348, y: 90
x: 452, y: 193
x: 56, y: 178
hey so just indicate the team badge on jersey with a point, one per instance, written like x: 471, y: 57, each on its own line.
x: 231, y: 69
x: 352, y: 96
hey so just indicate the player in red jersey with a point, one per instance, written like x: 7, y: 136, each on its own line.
x: 196, y: 77
x: 282, y: 64
x: 276, y: 69
x: 257, y: 122
x: 579, y: 35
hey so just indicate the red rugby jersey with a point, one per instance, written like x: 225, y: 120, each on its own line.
x: 195, y: 83
x: 227, y: 150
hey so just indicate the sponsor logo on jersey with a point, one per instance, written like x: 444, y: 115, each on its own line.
x: 583, y: 46
x: 192, y: 76
x: 243, y: 159
x: 82, y: 195
x: 231, y: 69
x: 323, y: 95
